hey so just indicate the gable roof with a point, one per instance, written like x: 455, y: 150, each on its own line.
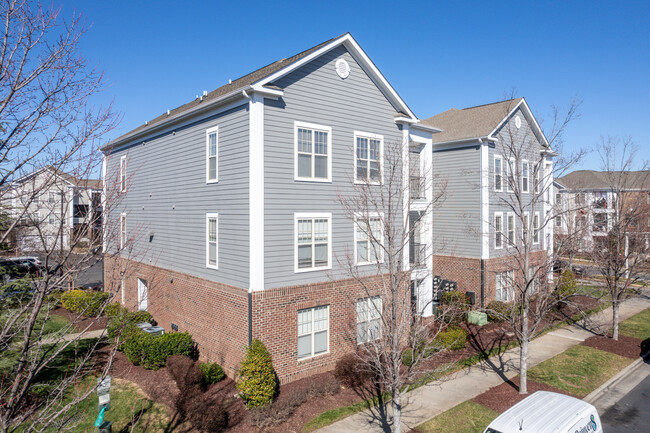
x: 481, y: 121
x: 601, y: 180
x: 72, y: 180
x: 262, y: 80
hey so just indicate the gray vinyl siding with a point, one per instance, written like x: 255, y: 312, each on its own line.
x: 315, y: 94
x: 456, y: 221
x: 500, y: 201
x: 169, y: 197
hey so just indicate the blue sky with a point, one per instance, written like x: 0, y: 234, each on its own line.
x: 437, y: 55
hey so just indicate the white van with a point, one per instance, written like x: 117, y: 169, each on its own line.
x: 546, y: 412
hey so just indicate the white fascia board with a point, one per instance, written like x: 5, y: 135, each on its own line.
x: 256, y: 193
x: 427, y: 128
x: 536, y: 126
x: 477, y: 140
x: 360, y: 56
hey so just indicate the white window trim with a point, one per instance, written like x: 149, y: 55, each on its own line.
x: 123, y: 233
x: 500, y: 158
x: 381, y: 251
x: 370, y: 305
x: 525, y: 224
x: 208, y: 217
x: 312, y: 215
x: 313, y: 332
x: 214, y: 129
x: 370, y: 136
x: 123, y: 173
x: 558, y: 219
x: 512, y: 174
x: 498, y: 214
x: 312, y: 126
x: 536, y: 231
x: 507, y: 288
x: 511, y: 241
x: 527, y: 190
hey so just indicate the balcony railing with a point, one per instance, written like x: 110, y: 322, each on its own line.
x: 417, y: 187
x: 417, y: 255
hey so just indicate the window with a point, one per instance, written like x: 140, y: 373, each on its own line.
x: 580, y: 198
x: 498, y: 173
x: 600, y: 222
x: 368, y: 240
x: 536, y: 177
x: 558, y: 221
x: 123, y: 174
x: 312, y: 241
x: 368, y: 319
x: 52, y: 220
x: 525, y: 176
x: 558, y: 198
x: 536, y: 228
x: 122, y: 230
x: 35, y: 199
x: 498, y: 230
x: 211, y: 234
x: 313, y: 151
x: 51, y: 198
x: 649, y: 198
x: 511, y: 229
x: 369, y: 149
x: 511, y: 174
x: 525, y: 226
x: 313, y: 331
x: 212, y: 154
x: 504, y: 289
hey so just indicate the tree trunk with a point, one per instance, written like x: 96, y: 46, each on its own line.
x: 523, y: 367
x: 397, y: 411
x: 615, y: 306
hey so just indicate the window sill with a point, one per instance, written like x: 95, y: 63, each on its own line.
x: 322, y: 268
x: 215, y: 267
x: 310, y: 180
x: 380, y: 262
x: 361, y: 182
x: 311, y: 358
x: 212, y: 181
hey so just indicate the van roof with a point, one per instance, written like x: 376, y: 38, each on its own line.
x: 542, y: 411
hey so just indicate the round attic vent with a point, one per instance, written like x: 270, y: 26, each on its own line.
x: 518, y: 122
x: 342, y: 68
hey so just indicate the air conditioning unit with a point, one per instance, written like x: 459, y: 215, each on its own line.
x: 155, y: 330
x: 143, y: 325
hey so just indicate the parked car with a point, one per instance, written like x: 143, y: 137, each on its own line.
x: 18, y: 267
x: 561, y: 265
x: 546, y: 411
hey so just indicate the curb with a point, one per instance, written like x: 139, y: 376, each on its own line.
x: 598, y: 392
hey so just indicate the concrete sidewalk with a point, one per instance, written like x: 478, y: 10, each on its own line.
x: 428, y: 401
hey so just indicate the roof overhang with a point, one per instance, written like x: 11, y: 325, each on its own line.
x: 524, y: 106
x: 425, y: 128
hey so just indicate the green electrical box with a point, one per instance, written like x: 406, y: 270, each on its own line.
x: 477, y: 318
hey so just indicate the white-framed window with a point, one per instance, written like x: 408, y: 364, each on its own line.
x: 536, y: 177
x: 511, y: 175
x: 536, y: 228
x: 313, y: 331
x: 558, y: 198
x: 122, y: 230
x: 368, y: 156
x: 525, y: 176
x: 312, y: 241
x: 51, y: 198
x: 368, y: 240
x: 211, y: 240
x: 52, y: 220
x: 123, y: 174
x: 36, y: 199
x: 525, y: 226
x: 498, y: 230
x: 558, y: 221
x: 212, y: 154
x: 498, y: 173
x: 313, y: 152
x: 368, y: 319
x: 504, y: 286
x: 511, y: 229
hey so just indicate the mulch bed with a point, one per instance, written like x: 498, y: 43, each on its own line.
x: 502, y: 397
x: 81, y: 322
x: 629, y: 347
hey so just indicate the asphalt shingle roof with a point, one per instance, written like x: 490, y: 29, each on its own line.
x: 599, y: 180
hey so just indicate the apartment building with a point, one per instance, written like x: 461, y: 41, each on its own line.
x: 496, y: 168
x: 52, y: 209
x: 230, y: 222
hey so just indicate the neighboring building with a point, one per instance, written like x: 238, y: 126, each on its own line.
x: 480, y: 151
x: 588, y: 201
x: 52, y: 208
x: 229, y: 208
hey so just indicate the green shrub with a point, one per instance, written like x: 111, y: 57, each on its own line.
x: 212, y: 372
x: 84, y: 302
x: 257, y: 381
x: 567, y: 285
x: 455, y: 306
x: 114, y: 309
x: 123, y: 323
x: 498, y: 311
x: 150, y: 351
x: 453, y: 338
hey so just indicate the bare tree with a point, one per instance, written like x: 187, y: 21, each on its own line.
x: 49, y: 135
x: 623, y: 250
x: 523, y: 230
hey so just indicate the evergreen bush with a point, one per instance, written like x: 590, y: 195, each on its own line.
x: 257, y: 381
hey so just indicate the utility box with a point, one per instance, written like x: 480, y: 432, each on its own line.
x: 477, y: 318
x: 143, y: 325
x: 155, y: 330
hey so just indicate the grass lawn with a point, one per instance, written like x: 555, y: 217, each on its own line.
x: 579, y: 370
x: 54, y: 323
x: 637, y: 326
x: 467, y: 417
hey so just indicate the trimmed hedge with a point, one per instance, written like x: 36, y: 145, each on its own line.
x: 453, y: 338
x: 498, y: 311
x: 567, y: 286
x: 84, y: 302
x: 212, y: 372
x: 114, y: 309
x: 150, y: 351
x: 124, y: 323
x: 455, y: 306
x: 257, y: 382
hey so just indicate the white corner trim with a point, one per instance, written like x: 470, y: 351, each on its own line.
x: 212, y: 130
x: 208, y: 217
x: 313, y: 127
x: 371, y: 136
x: 485, y: 201
x: 104, y: 181
x: 256, y: 192
x: 312, y: 215
x: 122, y: 187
